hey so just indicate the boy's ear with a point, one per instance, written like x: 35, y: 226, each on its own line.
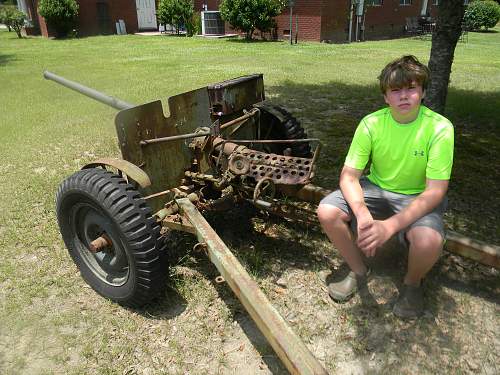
x: 423, y: 94
x: 385, y: 99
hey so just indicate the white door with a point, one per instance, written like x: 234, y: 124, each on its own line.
x: 146, y: 14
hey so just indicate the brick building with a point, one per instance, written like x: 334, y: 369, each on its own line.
x: 328, y: 20
x: 98, y: 16
x: 314, y: 20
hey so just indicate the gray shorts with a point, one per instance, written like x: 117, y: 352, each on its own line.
x: 383, y: 204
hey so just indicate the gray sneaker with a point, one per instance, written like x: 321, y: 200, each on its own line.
x: 343, y: 291
x: 410, y: 303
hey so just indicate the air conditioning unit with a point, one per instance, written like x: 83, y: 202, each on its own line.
x: 212, y: 23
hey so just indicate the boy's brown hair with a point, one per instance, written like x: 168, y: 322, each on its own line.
x: 403, y: 72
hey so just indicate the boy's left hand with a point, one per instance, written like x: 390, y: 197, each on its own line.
x: 374, y: 237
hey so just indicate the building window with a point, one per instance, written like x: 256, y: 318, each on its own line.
x: 374, y: 2
x: 405, y: 2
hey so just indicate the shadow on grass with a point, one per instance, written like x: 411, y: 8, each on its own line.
x: 168, y: 306
x: 4, y: 59
x: 489, y: 31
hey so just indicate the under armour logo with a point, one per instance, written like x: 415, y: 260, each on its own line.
x: 418, y: 153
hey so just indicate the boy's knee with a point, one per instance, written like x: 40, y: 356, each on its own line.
x: 425, y: 239
x: 328, y: 214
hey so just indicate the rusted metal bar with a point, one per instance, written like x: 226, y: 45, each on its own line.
x: 146, y: 142
x: 247, y: 115
x: 87, y: 91
x: 477, y: 250
x: 275, y: 140
x: 290, y: 349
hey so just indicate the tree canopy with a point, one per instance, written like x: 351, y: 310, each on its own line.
x: 177, y: 13
x: 59, y: 14
x: 250, y: 15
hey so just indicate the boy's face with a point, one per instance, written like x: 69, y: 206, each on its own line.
x: 404, y: 102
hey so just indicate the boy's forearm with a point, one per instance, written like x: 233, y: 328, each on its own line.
x: 353, y: 194
x: 421, y: 205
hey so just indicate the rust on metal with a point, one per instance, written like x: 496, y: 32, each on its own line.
x: 200, y: 247
x: 178, y: 222
x: 290, y: 349
x: 219, y: 280
x: 239, y: 164
x: 164, y: 161
x: 236, y: 94
x: 473, y: 249
x: 129, y: 169
x: 146, y: 142
x: 281, y: 169
x: 265, y: 188
x: 240, y: 119
x: 100, y: 243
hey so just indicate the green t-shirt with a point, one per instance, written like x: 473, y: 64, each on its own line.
x: 403, y: 155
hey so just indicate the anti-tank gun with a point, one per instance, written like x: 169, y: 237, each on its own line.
x: 220, y: 144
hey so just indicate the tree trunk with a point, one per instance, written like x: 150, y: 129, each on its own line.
x: 444, y: 41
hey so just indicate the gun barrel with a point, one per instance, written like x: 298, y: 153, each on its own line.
x: 91, y: 93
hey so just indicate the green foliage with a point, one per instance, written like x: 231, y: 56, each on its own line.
x: 16, y: 21
x: 12, y: 18
x: 481, y: 14
x: 59, y: 14
x: 5, y: 14
x: 177, y: 13
x: 251, y: 15
x: 195, y: 24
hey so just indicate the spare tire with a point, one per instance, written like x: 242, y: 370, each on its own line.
x: 277, y: 123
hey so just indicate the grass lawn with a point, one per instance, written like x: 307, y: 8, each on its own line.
x: 50, y: 322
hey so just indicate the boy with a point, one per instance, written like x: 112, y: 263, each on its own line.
x: 411, y: 153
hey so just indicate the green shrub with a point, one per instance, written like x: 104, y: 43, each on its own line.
x: 12, y: 18
x: 16, y: 21
x: 195, y: 24
x: 5, y: 14
x: 59, y: 14
x: 481, y: 14
x: 177, y: 13
x: 250, y: 15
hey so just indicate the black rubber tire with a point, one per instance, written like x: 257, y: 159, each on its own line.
x: 133, y: 270
x: 277, y: 123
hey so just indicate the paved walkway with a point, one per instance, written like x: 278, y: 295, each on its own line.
x: 154, y: 33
